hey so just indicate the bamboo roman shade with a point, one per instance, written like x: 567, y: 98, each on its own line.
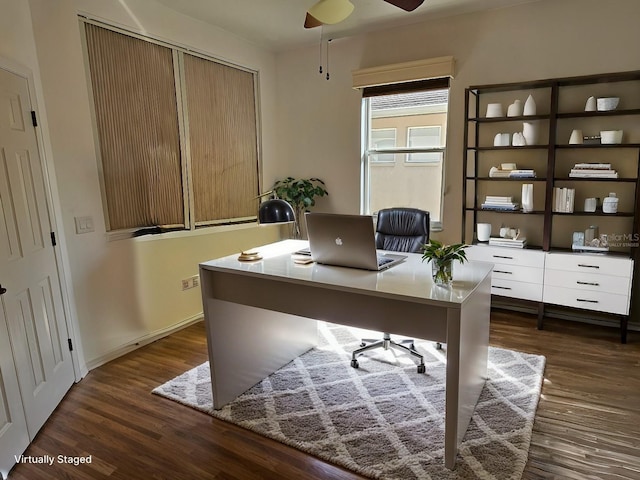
x: 177, y: 134
x: 137, y: 121
x: 421, y: 73
x: 222, y: 140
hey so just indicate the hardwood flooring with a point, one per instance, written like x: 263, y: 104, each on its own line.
x: 587, y: 424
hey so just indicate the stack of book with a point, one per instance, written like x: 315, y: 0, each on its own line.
x: 563, y: 199
x: 519, y: 242
x: 497, y: 202
x: 592, y: 170
x: 522, y: 174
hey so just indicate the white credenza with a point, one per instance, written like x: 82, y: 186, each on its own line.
x: 600, y: 283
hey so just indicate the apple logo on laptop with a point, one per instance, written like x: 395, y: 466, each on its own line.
x: 339, y: 241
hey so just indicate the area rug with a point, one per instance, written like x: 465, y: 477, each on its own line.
x: 383, y: 420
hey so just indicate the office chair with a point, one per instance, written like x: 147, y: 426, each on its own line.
x: 398, y: 230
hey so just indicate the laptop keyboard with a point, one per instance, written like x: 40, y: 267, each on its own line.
x: 384, y: 260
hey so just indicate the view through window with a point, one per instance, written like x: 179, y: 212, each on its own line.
x: 404, y: 146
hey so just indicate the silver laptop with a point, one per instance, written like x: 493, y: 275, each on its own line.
x: 346, y: 241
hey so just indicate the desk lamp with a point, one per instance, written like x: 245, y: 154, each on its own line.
x: 274, y: 210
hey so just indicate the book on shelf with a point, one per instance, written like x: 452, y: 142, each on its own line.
x: 522, y: 174
x: 499, y: 206
x: 498, y: 199
x: 520, y: 242
x: 592, y: 173
x: 563, y: 199
x: 593, y: 166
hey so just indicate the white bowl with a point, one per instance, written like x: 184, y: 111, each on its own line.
x: 610, y: 137
x: 494, y: 110
x: 607, y: 103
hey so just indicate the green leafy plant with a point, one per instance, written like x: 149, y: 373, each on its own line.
x: 441, y: 257
x: 301, y: 193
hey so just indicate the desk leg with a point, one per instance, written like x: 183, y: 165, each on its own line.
x: 467, y: 356
x: 247, y: 344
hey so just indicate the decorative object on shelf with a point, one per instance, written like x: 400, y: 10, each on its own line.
x: 515, y: 109
x: 590, y: 204
x: 527, y: 197
x: 610, y: 204
x: 483, y: 231
x: 442, y: 257
x: 509, y: 233
x: 529, y: 106
x: 592, y: 170
x: 590, y: 241
x: 301, y: 194
x: 502, y: 140
x: 563, y: 199
x: 591, y: 140
x: 606, y: 104
x: 590, y: 234
x: 590, y: 106
x: 530, y: 132
x: 519, y: 140
x: 249, y: 256
x: 610, y: 137
x: 494, y: 110
x: 576, y: 137
x: 517, y: 242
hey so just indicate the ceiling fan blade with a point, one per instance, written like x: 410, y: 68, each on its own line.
x: 311, y: 22
x: 408, y: 5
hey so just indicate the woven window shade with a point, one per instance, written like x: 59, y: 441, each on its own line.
x: 431, y: 68
x: 137, y: 121
x: 222, y: 140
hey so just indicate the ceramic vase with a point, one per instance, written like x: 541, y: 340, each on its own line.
x: 527, y: 197
x: 529, y: 106
x: 530, y: 132
x: 515, y: 109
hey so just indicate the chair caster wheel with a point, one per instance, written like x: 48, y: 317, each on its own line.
x: 362, y: 344
x: 354, y: 363
x: 438, y: 346
x: 412, y: 346
x: 422, y: 369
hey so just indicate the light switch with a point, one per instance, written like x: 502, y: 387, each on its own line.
x: 84, y: 224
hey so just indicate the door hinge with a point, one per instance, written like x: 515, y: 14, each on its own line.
x: 53, y: 239
x: 70, y: 344
x: 34, y: 120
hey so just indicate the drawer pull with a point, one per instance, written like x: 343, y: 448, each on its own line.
x: 593, y: 284
x: 588, y: 266
x: 587, y: 301
x: 503, y: 288
x: 503, y: 271
x: 502, y: 256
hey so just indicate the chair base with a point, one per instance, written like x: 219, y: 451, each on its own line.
x: 387, y: 343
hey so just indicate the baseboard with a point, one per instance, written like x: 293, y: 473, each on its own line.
x: 142, y: 341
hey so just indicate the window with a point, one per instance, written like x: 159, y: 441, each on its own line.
x: 383, y: 139
x: 177, y: 134
x: 419, y: 118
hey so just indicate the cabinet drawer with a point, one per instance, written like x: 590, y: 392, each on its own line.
x: 603, y: 264
x: 589, y: 300
x: 517, y: 273
x: 588, y: 281
x: 522, y: 290
x: 506, y: 255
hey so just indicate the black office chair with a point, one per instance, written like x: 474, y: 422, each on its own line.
x: 399, y: 230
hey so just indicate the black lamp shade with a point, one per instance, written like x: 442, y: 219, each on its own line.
x: 276, y: 211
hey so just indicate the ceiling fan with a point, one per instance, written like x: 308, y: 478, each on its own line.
x: 328, y: 12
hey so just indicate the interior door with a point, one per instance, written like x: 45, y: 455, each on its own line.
x: 32, y: 304
x: 14, y: 438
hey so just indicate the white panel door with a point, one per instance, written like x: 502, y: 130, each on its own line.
x: 28, y: 270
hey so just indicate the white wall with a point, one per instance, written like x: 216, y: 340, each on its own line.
x: 125, y: 291
x: 545, y: 39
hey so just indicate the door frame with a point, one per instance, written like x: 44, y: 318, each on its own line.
x: 55, y: 215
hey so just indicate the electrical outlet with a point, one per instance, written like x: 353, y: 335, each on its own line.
x: 191, y: 282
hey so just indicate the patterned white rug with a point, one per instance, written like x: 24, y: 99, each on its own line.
x: 383, y: 420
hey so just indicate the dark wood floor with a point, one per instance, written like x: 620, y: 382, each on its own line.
x: 587, y: 425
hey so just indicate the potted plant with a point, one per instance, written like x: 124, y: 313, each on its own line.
x: 442, y: 257
x: 301, y: 194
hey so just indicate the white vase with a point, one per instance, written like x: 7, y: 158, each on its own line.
x: 529, y: 106
x: 530, y: 132
x: 518, y: 140
x: 515, y: 109
x: 527, y: 197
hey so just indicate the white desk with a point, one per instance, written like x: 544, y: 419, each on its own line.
x: 259, y: 316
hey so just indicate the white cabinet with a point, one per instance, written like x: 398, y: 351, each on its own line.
x: 516, y: 273
x: 593, y: 282
x: 589, y: 281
